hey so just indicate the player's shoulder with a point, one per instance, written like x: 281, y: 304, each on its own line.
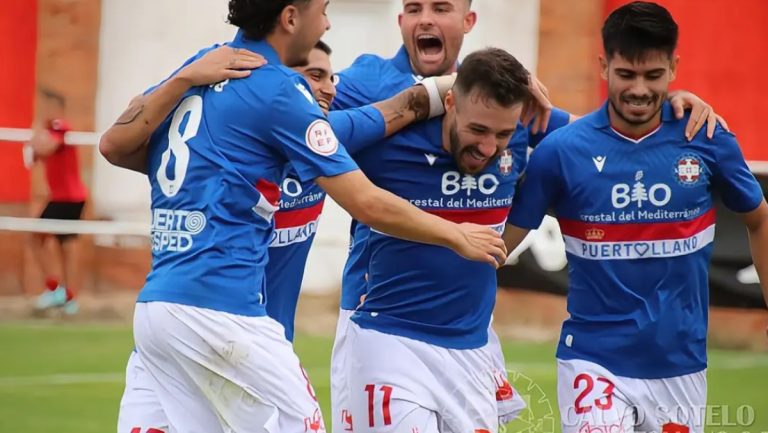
x: 366, y: 70
x: 366, y: 63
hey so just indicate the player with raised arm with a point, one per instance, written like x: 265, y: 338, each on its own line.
x: 634, y: 201
x: 217, y: 362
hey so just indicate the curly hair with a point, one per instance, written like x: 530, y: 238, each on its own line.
x: 258, y: 18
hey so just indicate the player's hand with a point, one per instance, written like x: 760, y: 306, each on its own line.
x: 481, y: 244
x: 539, y: 108
x: 437, y: 88
x: 223, y: 63
x: 701, y: 113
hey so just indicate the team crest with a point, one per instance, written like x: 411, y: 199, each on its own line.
x: 506, y: 162
x: 689, y: 170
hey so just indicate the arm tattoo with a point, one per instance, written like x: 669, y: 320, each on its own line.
x: 413, y: 102
x: 131, y: 114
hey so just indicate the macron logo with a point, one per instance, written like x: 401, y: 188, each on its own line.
x: 431, y: 158
x: 599, y: 162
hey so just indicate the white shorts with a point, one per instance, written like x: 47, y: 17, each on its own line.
x: 215, y: 372
x: 510, y: 403
x: 593, y: 400
x: 340, y: 411
x: 140, y: 409
x: 401, y: 385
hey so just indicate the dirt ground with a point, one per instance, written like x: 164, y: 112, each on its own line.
x: 519, y: 314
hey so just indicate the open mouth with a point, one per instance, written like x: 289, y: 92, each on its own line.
x: 429, y: 45
x: 324, y: 105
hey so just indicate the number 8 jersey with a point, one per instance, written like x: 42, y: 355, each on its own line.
x: 214, y: 166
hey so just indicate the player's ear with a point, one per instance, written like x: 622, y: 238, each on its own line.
x: 470, y: 19
x: 450, y: 101
x: 673, y: 67
x: 289, y: 18
x: 603, y: 67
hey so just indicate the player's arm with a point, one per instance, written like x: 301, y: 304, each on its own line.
x: 741, y: 193
x: 701, y: 113
x: 539, y: 189
x: 300, y: 132
x: 42, y: 143
x: 757, y: 227
x: 125, y: 143
x: 513, y: 236
x: 385, y: 212
x: 360, y: 127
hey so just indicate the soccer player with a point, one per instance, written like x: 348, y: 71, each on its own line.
x: 417, y: 356
x: 634, y: 203
x: 290, y: 243
x: 67, y: 195
x: 433, y: 33
x: 217, y: 362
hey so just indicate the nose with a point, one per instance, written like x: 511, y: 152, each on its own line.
x: 639, y: 88
x: 329, y: 89
x: 426, y: 18
x: 327, y: 23
x: 487, y: 146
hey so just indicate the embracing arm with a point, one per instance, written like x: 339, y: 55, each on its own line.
x: 125, y: 143
x: 385, y: 212
x: 757, y: 227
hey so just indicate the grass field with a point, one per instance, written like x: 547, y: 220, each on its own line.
x: 69, y: 379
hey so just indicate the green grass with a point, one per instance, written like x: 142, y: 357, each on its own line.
x: 69, y: 379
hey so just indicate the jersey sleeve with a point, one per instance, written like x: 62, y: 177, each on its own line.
x: 199, y: 54
x: 357, y: 85
x: 557, y: 120
x: 539, y: 188
x: 303, y: 135
x: 357, y: 128
x: 739, y: 189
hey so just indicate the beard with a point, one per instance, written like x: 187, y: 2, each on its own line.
x: 623, y: 101
x: 458, y: 151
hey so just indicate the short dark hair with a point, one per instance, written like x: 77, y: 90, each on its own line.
x: 638, y: 27
x: 322, y: 46
x: 257, y: 18
x: 496, y: 74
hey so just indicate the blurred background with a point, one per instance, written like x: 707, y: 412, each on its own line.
x: 98, y: 54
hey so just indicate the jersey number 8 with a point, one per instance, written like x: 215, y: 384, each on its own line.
x: 177, y: 145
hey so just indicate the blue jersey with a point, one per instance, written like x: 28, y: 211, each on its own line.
x: 369, y: 79
x: 296, y: 221
x: 426, y: 292
x: 638, y: 224
x: 214, y: 168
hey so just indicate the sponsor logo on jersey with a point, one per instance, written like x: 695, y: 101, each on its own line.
x: 431, y: 158
x: 640, y: 193
x: 174, y: 230
x: 321, y: 139
x: 689, y: 170
x: 506, y: 162
x: 454, y: 182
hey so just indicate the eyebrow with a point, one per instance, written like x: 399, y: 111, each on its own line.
x: 632, y: 71
x: 321, y: 70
